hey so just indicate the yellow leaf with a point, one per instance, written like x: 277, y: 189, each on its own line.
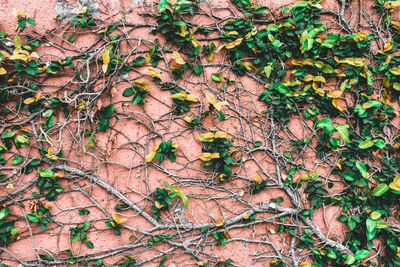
x: 232, y: 33
x: 181, y: 95
x: 220, y: 222
x: 305, y: 264
x: 103, y: 30
x: 150, y: 156
x: 256, y: 178
x: 191, y: 98
x: 220, y: 104
x: 366, y: 105
x: 375, y: 215
x: 396, y: 25
x: 42, y: 69
x: 319, y: 79
x: 153, y: 73
x: 20, y: 13
x: 336, y: 105
x: 178, y: 59
x: 388, y: 59
x: 395, y: 71
x: 207, y: 137
x: 82, y: 11
x: 175, y: 144
x: 271, y: 37
x: 22, y: 139
x: 19, y: 56
x: 182, y: 30
x: 158, y: 205
x: 308, y: 78
x: 34, y: 55
x: 246, y: 216
x: 208, y: 156
x: 335, y: 94
x: 397, y: 179
x: 226, y: 234
x: 81, y: 105
x: 58, y: 174
x: 106, y: 60
x: 211, y: 99
x: 29, y: 100
x: 10, y: 185
x: 196, y: 43
x: 117, y: 219
x: 338, y: 164
x: 2, y: 71
x: 233, y: 44
x: 17, y: 42
x: 302, y: 62
x: 147, y: 59
x: 217, y: 105
x: 203, y: 262
x: 395, y: 186
x: 188, y: 119
x: 387, y: 47
x: 221, y: 177
x: 220, y: 134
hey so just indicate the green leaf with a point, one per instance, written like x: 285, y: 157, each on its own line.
x: 4, y: 213
x: 205, y: 228
x: 86, y: 226
x: 342, y: 129
x: 361, y: 254
x: 370, y: 225
x: 197, y: 69
x: 326, y: 124
x: 283, y: 89
x: 184, y: 198
x: 300, y: 4
x: 8, y: 134
x: 46, y: 173
x: 381, y: 224
x: 362, y: 168
x: 380, y: 143
x: 350, y: 260
x: 72, y: 38
x: 366, y: 144
x: 32, y: 217
x: 380, y: 190
x: 162, y: 5
x: 89, y: 244
x: 138, y: 61
x: 47, y: 113
x: 128, y: 92
x: 16, y: 160
x: 216, y: 77
x: 261, y: 10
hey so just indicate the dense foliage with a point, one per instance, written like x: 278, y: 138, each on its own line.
x: 336, y: 77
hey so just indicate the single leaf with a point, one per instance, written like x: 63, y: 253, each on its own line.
x: 16, y: 160
x: 366, y: 144
x: 46, y: 173
x: 380, y: 190
x: 342, y: 129
x: 361, y: 254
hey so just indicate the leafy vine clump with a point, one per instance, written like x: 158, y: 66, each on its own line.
x: 287, y: 120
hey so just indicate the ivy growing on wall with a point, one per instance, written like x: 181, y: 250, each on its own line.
x: 294, y: 112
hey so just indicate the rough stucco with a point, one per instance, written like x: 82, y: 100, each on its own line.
x: 44, y: 12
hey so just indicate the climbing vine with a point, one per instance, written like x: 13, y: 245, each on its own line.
x: 203, y: 129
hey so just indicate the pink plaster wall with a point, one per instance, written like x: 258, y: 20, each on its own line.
x: 202, y: 210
